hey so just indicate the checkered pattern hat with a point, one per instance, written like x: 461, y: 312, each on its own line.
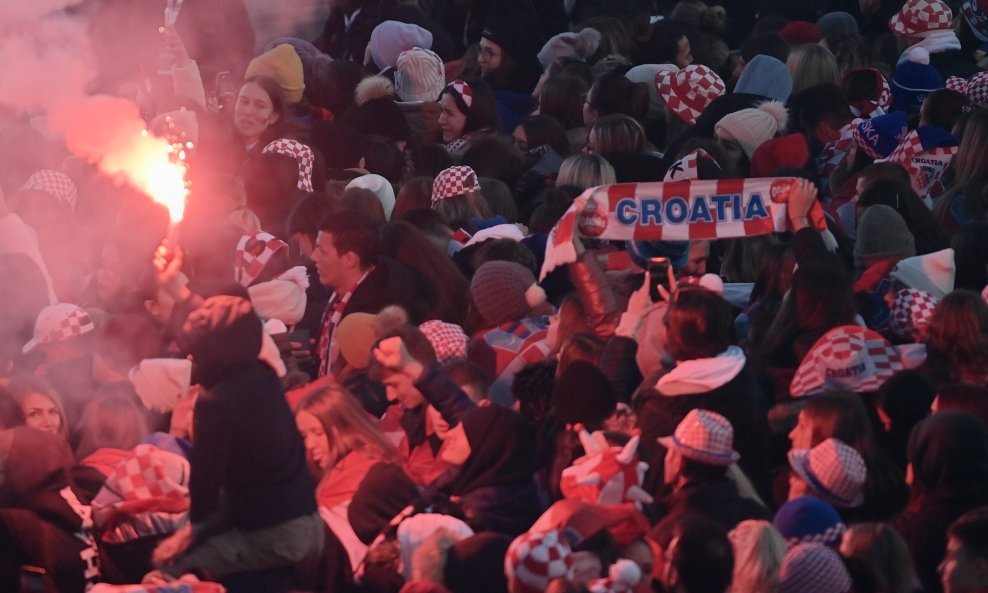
x: 447, y: 339
x: 687, y: 92
x: 813, y: 568
x: 454, y: 181
x: 975, y: 88
x: 254, y: 251
x: 149, y: 473
x: 807, y: 519
x: 921, y: 16
x: 976, y: 14
x: 534, y: 559
x: 462, y: 89
x: 877, y: 105
x: 847, y: 357
x: 911, y: 313
x: 834, y: 470
x: 57, y: 323
x: 54, y: 183
x: 302, y: 155
x: 704, y: 436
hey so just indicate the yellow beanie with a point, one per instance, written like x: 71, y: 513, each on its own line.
x: 282, y: 64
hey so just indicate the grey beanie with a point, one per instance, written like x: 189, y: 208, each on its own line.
x: 882, y: 234
x: 765, y: 76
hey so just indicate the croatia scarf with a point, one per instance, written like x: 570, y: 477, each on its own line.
x: 674, y: 211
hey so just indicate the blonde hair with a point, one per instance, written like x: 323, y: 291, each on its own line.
x: 758, y: 551
x: 811, y: 64
x: 880, y: 547
x: 347, y: 425
x: 463, y: 208
x: 586, y: 170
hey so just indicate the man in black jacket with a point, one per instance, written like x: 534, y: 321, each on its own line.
x: 252, y: 499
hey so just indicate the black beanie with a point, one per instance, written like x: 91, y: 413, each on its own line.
x: 583, y: 394
x: 380, y: 117
x: 382, y: 494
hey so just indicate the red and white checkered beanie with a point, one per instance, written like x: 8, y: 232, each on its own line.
x: 975, y: 88
x: 302, y: 155
x: 59, y: 322
x: 447, y: 339
x: 254, y: 251
x: 704, y: 436
x: 150, y: 474
x: 454, y: 181
x: 921, y: 16
x: 687, y: 92
x: 911, y: 313
x: 834, y: 471
x: 847, y: 357
x: 461, y: 88
x: 535, y: 559
x: 54, y: 183
x: 605, y: 474
x: 813, y: 568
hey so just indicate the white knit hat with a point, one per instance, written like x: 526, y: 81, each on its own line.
x: 932, y: 273
x: 751, y: 127
x: 390, y: 38
x: 381, y: 187
x: 419, y: 75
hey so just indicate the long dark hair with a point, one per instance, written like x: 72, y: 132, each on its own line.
x: 273, y: 90
x: 482, y: 111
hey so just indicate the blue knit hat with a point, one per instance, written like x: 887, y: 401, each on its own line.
x: 879, y: 136
x: 914, y: 79
x: 765, y: 76
x: 809, y: 519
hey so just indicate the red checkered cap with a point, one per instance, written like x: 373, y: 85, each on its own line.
x: 454, y: 181
x: 847, y: 357
x: 254, y: 251
x: 151, y: 473
x: 834, y: 470
x: 447, y: 339
x: 976, y: 87
x: 704, y: 436
x: 687, y: 92
x: 911, y: 313
x: 536, y: 558
x: 59, y: 322
x: 921, y: 16
x: 56, y: 184
x: 461, y: 88
x: 813, y: 568
x: 302, y: 155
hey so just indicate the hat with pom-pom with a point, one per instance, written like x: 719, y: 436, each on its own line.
x: 921, y: 17
x: 622, y: 577
x: 580, y: 45
x: 606, y: 474
x: 914, y: 79
x: 752, y: 127
x: 879, y: 136
x: 536, y: 558
x: 390, y: 38
x: 504, y: 291
x: 813, y: 568
x: 791, y: 152
x: 809, y: 519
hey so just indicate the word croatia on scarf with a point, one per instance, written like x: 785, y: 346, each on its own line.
x: 674, y: 211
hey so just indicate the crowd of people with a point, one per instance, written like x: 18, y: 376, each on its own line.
x: 359, y: 363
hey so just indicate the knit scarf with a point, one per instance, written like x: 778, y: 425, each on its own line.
x: 936, y: 42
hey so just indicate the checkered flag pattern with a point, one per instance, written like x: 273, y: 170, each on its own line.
x: 847, y: 357
x: 911, y: 313
x: 921, y: 16
x: 454, y: 181
x: 924, y: 173
x: 447, y: 339
x: 302, y: 155
x: 54, y: 183
x: 829, y: 537
x: 59, y: 322
x: 687, y: 92
x: 534, y: 559
x: 976, y: 14
x: 463, y: 89
x: 152, y: 474
x: 975, y: 88
x: 254, y: 251
x: 813, y: 568
x: 834, y: 470
x: 704, y: 436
